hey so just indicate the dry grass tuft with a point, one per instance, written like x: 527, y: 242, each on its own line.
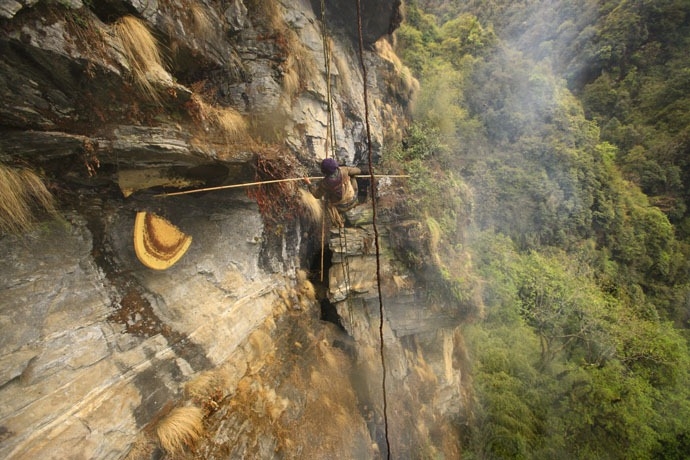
x: 305, y: 289
x: 344, y: 71
x: 265, y: 12
x: 307, y: 66
x: 287, y: 297
x: 202, y: 24
x: 422, y: 380
x: 180, y: 429
x: 332, y: 358
x: 258, y: 402
x: 208, y: 388
x: 407, y: 84
x: 300, y: 297
x: 299, y: 66
x: 301, y: 276
x: 22, y: 195
x: 268, y: 402
x: 227, y: 121
x: 231, y: 123
x: 291, y: 77
x: 140, y: 49
x: 434, y: 240
x: 311, y: 207
x: 259, y: 347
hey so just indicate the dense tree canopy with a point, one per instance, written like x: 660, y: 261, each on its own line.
x: 556, y: 136
x: 627, y: 62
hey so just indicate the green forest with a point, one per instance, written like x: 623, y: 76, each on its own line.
x: 556, y: 135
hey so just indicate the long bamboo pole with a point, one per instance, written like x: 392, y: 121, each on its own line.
x: 250, y: 184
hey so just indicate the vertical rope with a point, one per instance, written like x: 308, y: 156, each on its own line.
x: 331, y: 142
x: 346, y: 267
x: 330, y: 130
x: 323, y: 238
x: 328, y: 124
x: 376, y: 232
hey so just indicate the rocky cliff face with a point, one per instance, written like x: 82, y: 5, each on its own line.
x: 225, y: 354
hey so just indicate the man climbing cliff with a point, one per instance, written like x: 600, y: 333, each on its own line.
x: 339, y: 186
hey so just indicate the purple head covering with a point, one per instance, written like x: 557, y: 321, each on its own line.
x: 329, y: 166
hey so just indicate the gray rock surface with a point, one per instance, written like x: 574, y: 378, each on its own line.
x: 95, y: 348
x: 79, y: 339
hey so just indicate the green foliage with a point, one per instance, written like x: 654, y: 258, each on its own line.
x: 608, y: 415
x: 628, y: 61
x: 449, y: 276
x: 439, y: 101
x: 573, y: 197
x: 507, y: 425
x: 423, y: 155
x: 464, y: 35
x: 564, y: 308
x: 422, y: 142
x: 412, y: 48
x: 584, y: 378
x: 423, y: 22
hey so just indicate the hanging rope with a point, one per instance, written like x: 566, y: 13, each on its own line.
x: 330, y: 136
x: 328, y: 125
x: 376, y: 232
x: 330, y: 141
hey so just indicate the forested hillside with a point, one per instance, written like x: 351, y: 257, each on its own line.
x: 627, y: 62
x: 559, y: 131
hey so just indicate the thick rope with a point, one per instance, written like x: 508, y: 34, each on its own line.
x: 376, y: 232
x: 328, y: 125
x: 323, y: 238
x: 330, y: 135
x: 330, y: 139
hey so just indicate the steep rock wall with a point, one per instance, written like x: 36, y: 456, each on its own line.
x: 97, y: 350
